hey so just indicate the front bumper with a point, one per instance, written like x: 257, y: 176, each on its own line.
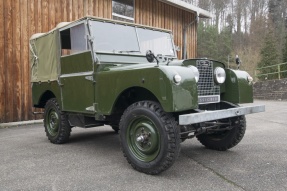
x: 205, y: 116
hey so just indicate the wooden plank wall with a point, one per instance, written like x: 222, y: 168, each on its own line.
x: 19, y: 19
x: 162, y: 15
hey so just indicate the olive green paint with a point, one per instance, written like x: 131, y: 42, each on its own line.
x: 91, y: 83
x: 77, y: 82
x: 81, y: 62
x: 173, y: 97
x: 145, y: 152
x: 52, y: 121
x: 77, y: 93
x: 238, y: 89
x: 39, y: 89
x: 184, y: 94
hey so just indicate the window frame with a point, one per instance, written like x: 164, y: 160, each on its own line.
x: 138, y: 40
x: 88, y: 46
x: 131, y: 19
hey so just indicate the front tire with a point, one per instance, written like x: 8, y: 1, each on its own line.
x: 57, y: 127
x: 224, y: 140
x: 149, y: 137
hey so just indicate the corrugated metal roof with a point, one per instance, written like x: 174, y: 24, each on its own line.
x: 189, y: 7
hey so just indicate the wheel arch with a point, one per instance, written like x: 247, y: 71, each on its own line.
x: 131, y: 95
x: 44, y: 98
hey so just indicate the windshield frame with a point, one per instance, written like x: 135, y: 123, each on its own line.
x: 134, y: 52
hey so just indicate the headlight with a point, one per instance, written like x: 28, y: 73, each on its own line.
x: 219, y: 75
x: 195, y: 72
x: 177, y: 78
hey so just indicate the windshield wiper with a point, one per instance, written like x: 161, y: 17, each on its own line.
x: 168, y: 58
x: 128, y: 51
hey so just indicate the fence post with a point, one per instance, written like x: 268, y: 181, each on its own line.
x: 279, y: 76
x: 255, y: 75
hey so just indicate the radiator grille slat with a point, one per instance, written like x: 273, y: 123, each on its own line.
x: 206, y: 85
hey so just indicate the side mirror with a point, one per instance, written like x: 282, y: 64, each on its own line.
x: 150, y: 56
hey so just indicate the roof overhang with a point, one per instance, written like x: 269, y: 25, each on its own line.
x: 189, y: 7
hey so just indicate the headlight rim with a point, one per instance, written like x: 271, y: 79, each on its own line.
x: 195, y: 72
x: 177, y: 79
x: 216, y: 77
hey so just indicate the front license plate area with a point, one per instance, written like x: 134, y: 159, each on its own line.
x: 208, y: 99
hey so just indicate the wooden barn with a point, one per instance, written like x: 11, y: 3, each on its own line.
x: 22, y: 18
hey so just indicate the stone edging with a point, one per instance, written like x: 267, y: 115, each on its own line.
x: 20, y: 123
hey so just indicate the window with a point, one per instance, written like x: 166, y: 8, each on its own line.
x: 158, y: 42
x: 124, y: 39
x: 73, y: 40
x: 123, y: 10
x: 115, y: 38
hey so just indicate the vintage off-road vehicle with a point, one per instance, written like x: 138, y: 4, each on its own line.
x: 95, y: 72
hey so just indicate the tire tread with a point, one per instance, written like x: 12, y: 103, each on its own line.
x: 230, y: 141
x: 173, y: 147
x: 65, y: 128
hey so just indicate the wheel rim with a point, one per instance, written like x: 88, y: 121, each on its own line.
x: 143, y: 139
x: 52, y: 122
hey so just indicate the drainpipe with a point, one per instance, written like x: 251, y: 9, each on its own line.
x: 184, y: 53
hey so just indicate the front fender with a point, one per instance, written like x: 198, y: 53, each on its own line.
x: 237, y: 87
x: 157, y: 80
x: 184, y: 94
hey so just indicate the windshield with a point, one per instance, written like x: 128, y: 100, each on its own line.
x: 114, y: 38
x: 118, y: 38
x: 156, y: 41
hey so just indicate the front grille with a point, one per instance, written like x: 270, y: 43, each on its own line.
x: 206, y: 85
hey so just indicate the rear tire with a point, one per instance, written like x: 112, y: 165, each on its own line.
x: 149, y: 137
x: 224, y: 140
x: 57, y: 127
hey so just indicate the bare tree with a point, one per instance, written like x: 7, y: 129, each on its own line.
x: 248, y: 22
x: 219, y: 8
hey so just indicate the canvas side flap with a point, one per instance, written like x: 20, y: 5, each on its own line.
x: 33, y: 60
x: 47, y: 62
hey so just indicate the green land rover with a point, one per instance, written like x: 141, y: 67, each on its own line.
x: 94, y: 72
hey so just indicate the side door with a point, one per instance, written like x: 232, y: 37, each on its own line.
x: 77, y: 69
